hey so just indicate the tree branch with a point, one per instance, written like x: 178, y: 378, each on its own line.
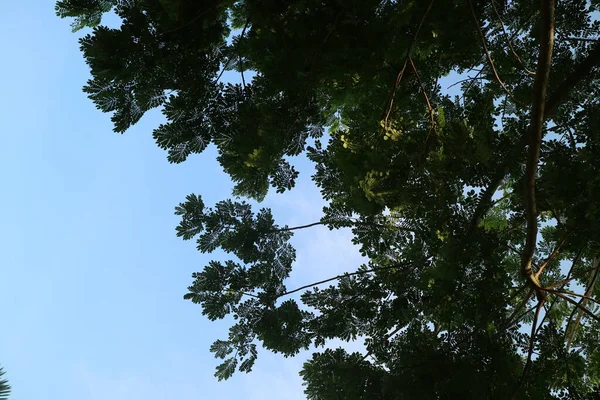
x: 535, y: 140
x: 408, y: 55
x: 547, y: 313
x: 344, y: 275
x: 518, y: 308
x: 552, y: 255
x: 580, y: 72
x: 193, y: 19
x: 509, y: 41
x: 531, y: 347
x: 584, y: 297
x: 487, y: 54
x: 579, y: 306
x: 294, y: 228
x: 240, y: 55
x: 236, y: 51
x: 387, y: 337
x: 580, y: 39
x: 429, y: 107
x: 485, y: 203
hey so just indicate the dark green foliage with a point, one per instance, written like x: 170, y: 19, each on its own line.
x: 86, y: 13
x: 4, y: 386
x: 431, y: 183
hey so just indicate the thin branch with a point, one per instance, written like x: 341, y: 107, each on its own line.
x: 429, y: 107
x: 344, y: 275
x: 531, y: 347
x: 487, y: 54
x: 580, y: 72
x: 506, y: 196
x: 578, y: 276
x: 518, y: 308
x: 236, y: 51
x: 584, y: 297
x: 192, y: 20
x: 535, y: 140
x: 572, y: 141
x: 485, y: 203
x: 241, y: 60
x: 509, y: 41
x: 552, y: 255
x: 354, y: 222
x: 468, y: 79
x: 579, y: 306
x: 408, y: 55
x: 580, y: 39
x: 547, y: 314
x: 511, y: 247
x: 298, y: 227
x: 387, y: 337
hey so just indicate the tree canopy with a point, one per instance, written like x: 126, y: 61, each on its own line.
x: 477, y: 211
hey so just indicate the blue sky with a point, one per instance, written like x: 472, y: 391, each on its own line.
x: 92, y: 274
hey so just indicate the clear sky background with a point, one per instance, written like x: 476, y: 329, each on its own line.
x: 91, y: 272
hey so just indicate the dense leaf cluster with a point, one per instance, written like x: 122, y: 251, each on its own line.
x: 443, y: 190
